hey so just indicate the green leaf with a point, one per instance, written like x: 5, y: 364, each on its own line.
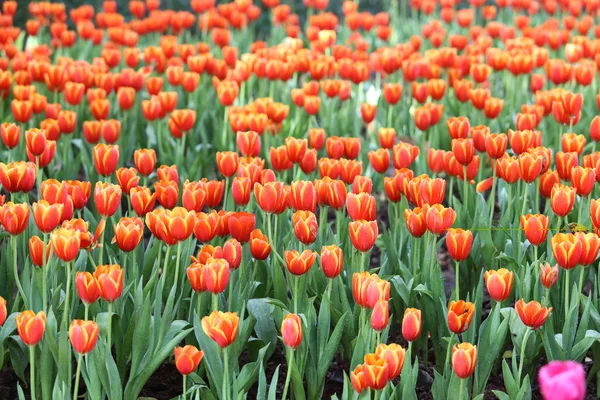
x: 273, y: 385
x: 330, y: 350
x: 212, y: 356
x: 581, y: 348
x: 323, y: 325
x: 250, y: 371
x: 265, y: 328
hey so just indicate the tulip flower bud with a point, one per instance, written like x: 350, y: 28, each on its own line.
x: 590, y: 244
x: 240, y: 225
x: 357, y: 378
x: 535, y: 228
x: 464, y: 359
x: 548, y: 275
x: 222, y: 327
x: 567, y: 250
x: 110, y: 281
x: 532, y: 314
x: 460, y: 314
x: 380, y: 315
x: 299, y: 263
x: 128, y: 233
x: 232, y: 253
x: 83, y: 335
x: 145, y: 160
x: 216, y: 275
x: 376, y: 371
x: 394, y: 357
x: 499, y: 283
x: 36, y: 251
x: 291, y: 331
x: 3, y: 311
x: 31, y: 326
x: 187, y: 359
x: 332, y: 260
x: 459, y: 243
x: 87, y: 287
x: 363, y: 234
x: 562, y: 199
x: 305, y: 226
x: 411, y: 324
x: 259, y: 245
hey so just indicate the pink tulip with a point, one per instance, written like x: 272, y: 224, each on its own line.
x: 563, y: 380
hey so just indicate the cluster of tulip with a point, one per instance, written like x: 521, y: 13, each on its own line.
x: 314, y: 200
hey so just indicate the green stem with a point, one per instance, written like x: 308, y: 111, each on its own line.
x: 522, y: 356
x: 176, y: 278
x: 86, y: 307
x: 101, y: 247
x: 16, y: 273
x: 295, y: 294
x: 38, y: 177
x: 77, y: 374
x: 567, y: 290
x: 163, y: 278
x: 580, y: 209
x: 462, y: 388
x: 226, y: 374
x: 362, y: 261
x: 289, y: 373
x: 581, y: 277
x: 44, y: 275
x: 329, y: 288
x: 465, y: 186
x: 230, y: 297
x: 109, y: 333
x: 225, y: 197
x: 199, y: 305
x: 215, y: 301
x: 67, y: 296
x: 32, y: 371
x: 414, y: 257
x: 492, y: 195
x: 184, y: 386
x: 457, y: 278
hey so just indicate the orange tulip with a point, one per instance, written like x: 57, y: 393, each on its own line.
x: 459, y: 243
x: 259, y: 245
x: 380, y: 315
x: 438, y: 218
x: 532, y: 314
x: 216, y: 275
x: 145, y: 160
x: 583, y: 180
x: 107, y: 198
x: 87, y: 287
x: 36, y: 251
x: 17, y: 176
x: 106, y: 158
x: 590, y: 244
x: 299, y: 263
x: 460, y: 314
x: 332, y: 260
x: 562, y: 199
x: 499, y: 283
x: 31, y: 326
x: 222, y: 327
x: 305, y: 226
x: 464, y: 359
x: 127, y: 179
x: 548, y: 275
x: 35, y: 140
x: 376, y: 371
x: 128, y: 233
x: 83, y: 335
x: 187, y: 359
x: 411, y: 324
x: 394, y: 356
x: 10, y: 134
x: 415, y: 221
x: 110, y: 281
x: 535, y: 228
x: 363, y: 234
x: 79, y: 192
x: 291, y: 331
x: 142, y: 200
x: 47, y: 216
x: 3, y: 311
x: 357, y: 377
x: 227, y: 162
x: 14, y: 217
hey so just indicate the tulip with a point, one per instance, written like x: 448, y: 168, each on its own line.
x: 240, y: 190
x: 299, y: 263
x: 167, y: 193
x: 36, y: 251
x: 10, y: 134
x: 110, y: 281
x: 394, y: 356
x: 562, y: 380
x: 291, y: 331
x: 79, y: 192
x: 415, y: 221
x: 107, y: 198
x: 142, y: 200
x: 305, y: 226
x: 332, y: 260
x: 241, y: 225
x: 532, y: 314
x: 31, y: 327
x: 227, y: 162
x: 83, y: 335
x: 562, y: 199
x: 499, y: 283
x: 205, y: 226
x: 3, y: 311
x: 361, y: 206
x: 36, y: 141
x: 222, y: 327
x: 438, y: 218
x: 145, y: 160
x: 187, y: 359
x: 259, y: 245
x: 303, y: 196
x: 87, y: 287
x: 232, y: 252
x: 376, y: 371
x: 411, y: 324
x: 583, y: 180
x: 128, y: 233
x: 567, y: 249
x: 127, y: 179
x: 363, y: 235
x: 106, y: 158
x: 380, y: 315
x: 460, y: 314
x: 66, y: 243
x: 17, y: 176
x: 194, y: 196
x: 459, y: 243
x: 464, y: 359
x: 548, y: 275
x: 535, y: 228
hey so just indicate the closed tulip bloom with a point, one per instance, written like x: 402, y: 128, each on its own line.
x: 195, y: 274
x: 79, y: 192
x: 583, y: 180
x: 145, y: 160
x: 460, y: 314
x: 380, y: 160
x: 3, y: 311
x: 361, y: 206
x: 142, y: 200
x: 357, y: 378
x: 299, y: 263
x: 368, y: 289
x: 411, y: 324
x: 269, y: 196
x: 31, y: 326
x: 216, y: 275
x: 305, y: 226
x: 47, y: 216
x: 106, y: 158
x: 193, y: 196
x: 459, y: 243
x: 415, y: 221
x: 463, y: 150
x: 590, y: 244
x: 438, y: 218
x: 535, y: 228
x: 127, y: 179
x: 520, y: 140
x: 376, y: 371
x: 259, y: 245
x: 241, y: 225
x: 362, y: 184
x: 110, y: 281
x: 547, y: 181
x: 565, y: 162
x: 548, y: 275
x: 17, y: 176
x: 167, y: 193
x: 363, y: 234
x: 232, y: 253
x: 303, y: 196
x: 241, y: 189
x: 391, y: 189
x: 464, y: 359
x: 432, y: 191
x: 530, y: 166
x: 458, y: 127
x: 291, y: 331
x: 595, y: 212
x: 36, y: 251
x: 332, y: 260
x: 394, y: 356
x: 83, y: 335
x: 508, y: 167
x: 187, y: 359
x: 404, y: 154
x: 205, y: 227
x: 563, y: 380
x: 14, y: 217
x: 380, y: 315
x: 168, y: 173
x: 222, y: 327
x: 495, y: 145
x: 35, y: 140
x: 87, y: 287
x: 532, y: 314
x: 296, y: 148
x: 107, y: 198
x: 228, y: 162
x: 316, y: 138
x: 499, y: 283
x: 567, y: 249
x: 128, y: 233
x: 10, y: 134
x: 65, y: 243
x: 562, y: 199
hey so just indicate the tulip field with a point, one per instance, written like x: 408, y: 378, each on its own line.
x: 265, y: 199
